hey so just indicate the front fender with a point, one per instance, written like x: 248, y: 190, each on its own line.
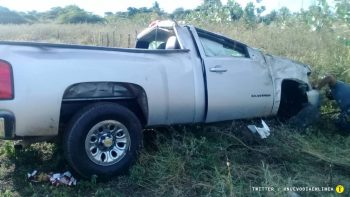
x: 286, y: 69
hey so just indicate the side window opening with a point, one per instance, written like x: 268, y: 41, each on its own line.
x: 169, y: 43
x: 219, y: 49
x: 219, y: 46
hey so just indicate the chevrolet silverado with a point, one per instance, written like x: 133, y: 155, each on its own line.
x: 99, y: 99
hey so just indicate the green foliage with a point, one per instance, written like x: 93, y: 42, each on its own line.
x: 179, y: 14
x: 249, y: 14
x: 236, y: 11
x: 343, y: 10
x: 269, y: 18
x: 317, y: 17
x: 6, y: 193
x: 212, y: 3
x: 133, y: 11
x: 156, y: 8
x: 7, y: 149
x: 74, y: 14
x: 7, y: 16
x: 106, y: 192
x: 53, y: 13
x: 284, y: 14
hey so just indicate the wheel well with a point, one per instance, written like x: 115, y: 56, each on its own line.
x: 293, y: 98
x: 77, y: 96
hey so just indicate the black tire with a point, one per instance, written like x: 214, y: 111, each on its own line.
x: 81, y: 126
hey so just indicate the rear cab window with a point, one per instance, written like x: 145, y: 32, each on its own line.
x: 158, y: 38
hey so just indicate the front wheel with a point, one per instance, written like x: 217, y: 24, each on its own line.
x: 102, y: 139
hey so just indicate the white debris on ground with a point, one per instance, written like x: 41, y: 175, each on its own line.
x: 263, y: 131
x: 56, y: 179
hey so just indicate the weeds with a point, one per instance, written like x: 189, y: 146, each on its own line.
x: 203, y: 161
x: 7, y: 150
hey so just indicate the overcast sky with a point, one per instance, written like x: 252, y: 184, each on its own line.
x: 102, y: 6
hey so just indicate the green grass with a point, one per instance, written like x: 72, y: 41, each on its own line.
x: 212, y: 160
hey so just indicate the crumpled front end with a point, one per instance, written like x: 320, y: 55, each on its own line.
x: 284, y: 70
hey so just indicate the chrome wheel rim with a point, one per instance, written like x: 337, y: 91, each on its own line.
x: 107, y: 142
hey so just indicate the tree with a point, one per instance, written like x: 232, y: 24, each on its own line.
x: 259, y: 11
x: 53, y: 13
x: 210, y: 5
x: 211, y: 10
x: 179, y: 13
x: 74, y: 14
x: 108, y: 14
x: 235, y: 9
x: 7, y: 16
x: 249, y: 14
x: 318, y: 16
x: 214, y: 3
x: 269, y: 18
x: 284, y: 14
x: 156, y: 7
x: 145, y: 10
x: 343, y: 10
x: 32, y: 16
x: 132, y: 11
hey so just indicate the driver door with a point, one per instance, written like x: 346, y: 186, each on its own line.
x: 237, y: 86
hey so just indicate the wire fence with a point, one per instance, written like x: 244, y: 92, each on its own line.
x: 106, y: 39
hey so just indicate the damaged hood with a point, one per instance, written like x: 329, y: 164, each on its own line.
x: 284, y: 68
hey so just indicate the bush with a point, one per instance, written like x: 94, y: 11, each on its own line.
x: 73, y: 14
x: 7, y: 16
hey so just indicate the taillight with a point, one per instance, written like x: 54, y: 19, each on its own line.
x: 6, y: 83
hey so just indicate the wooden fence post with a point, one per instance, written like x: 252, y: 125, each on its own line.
x: 113, y: 39
x: 107, y: 39
x: 128, y: 40
x: 101, y: 39
x: 120, y: 40
x: 95, y: 40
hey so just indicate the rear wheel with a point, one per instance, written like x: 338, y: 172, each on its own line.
x: 102, y: 139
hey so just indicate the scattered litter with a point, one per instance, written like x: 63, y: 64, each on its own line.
x: 56, y: 179
x: 65, y: 179
x: 264, y: 131
x: 31, y: 176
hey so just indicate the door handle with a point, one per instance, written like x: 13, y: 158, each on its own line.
x: 218, y: 69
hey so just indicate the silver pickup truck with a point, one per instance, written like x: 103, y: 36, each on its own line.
x: 99, y: 99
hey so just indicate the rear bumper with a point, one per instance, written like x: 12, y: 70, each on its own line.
x: 7, y: 125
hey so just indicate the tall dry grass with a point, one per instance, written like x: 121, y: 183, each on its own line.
x: 322, y: 50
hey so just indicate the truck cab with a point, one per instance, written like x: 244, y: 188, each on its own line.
x: 229, y: 92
